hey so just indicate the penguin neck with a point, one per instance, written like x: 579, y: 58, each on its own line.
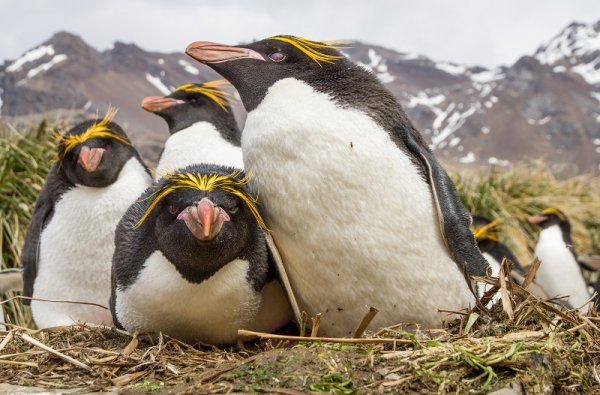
x: 222, y: 121
x: 559, y: 233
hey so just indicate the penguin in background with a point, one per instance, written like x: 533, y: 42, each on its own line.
x: 559, y: 273
x: 69, y: 243
x: 201, y: 125
x: 191, y: 260
x: 360, y: 209
x: 493, y: 250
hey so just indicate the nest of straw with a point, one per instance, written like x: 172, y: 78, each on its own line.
x: 522, y: 342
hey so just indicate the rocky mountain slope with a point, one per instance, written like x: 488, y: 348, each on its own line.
x: 546, y: 105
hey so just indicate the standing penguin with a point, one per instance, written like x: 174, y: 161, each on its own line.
x: 191, y: 260
x: 70, y: 241
x: 202, y: 127
x: 559, y: 274
x: 360, y: 209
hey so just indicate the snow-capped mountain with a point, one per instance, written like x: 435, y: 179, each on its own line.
x: 546, y: 105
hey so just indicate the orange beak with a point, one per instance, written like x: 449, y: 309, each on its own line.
x: 89, y: 158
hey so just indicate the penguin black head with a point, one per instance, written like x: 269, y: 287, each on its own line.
x: 551, y: 216
x: 254, y: 67
x: 202, y: 217
x: 191, y: 103
x: 93, y: 152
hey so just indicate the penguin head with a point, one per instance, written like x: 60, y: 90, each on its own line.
x: 202, y: 217
x: 253, y: 68
x: 191, y: 103
x: 484, y: 228
x: 93, y: 152
x: 549, y: 217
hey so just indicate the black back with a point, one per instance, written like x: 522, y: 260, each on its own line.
x: 65, y: 174
x: 197, y: 107
x: 354, y: 87
x: 195, y: 260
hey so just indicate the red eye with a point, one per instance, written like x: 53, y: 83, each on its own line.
x: 277, y: 57
x: 173, y: 208
x: 106, y: 146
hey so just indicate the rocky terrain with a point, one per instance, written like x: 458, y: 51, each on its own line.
x: 546, y: 105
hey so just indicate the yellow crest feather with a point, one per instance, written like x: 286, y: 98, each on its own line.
x: 313, y: 49
x: 205, y: 182
x: 487, y: 231
x: 209, y: 89
x: 97, y: 130
x: 554, y: 211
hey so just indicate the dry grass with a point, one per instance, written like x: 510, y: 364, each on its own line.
x: 541, y: 349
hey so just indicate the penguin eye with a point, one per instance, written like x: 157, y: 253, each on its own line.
x: 193, y: 100
x: 277, y: 56
x: 173, y: 209
x: 106, y: 146
x: 233, y: 209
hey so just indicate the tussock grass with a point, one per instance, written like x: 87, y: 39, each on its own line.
x: 25, y: 159
x: 514, y: 195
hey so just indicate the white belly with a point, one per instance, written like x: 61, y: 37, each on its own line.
x: 77, y: 247
x: 200, y: 143
x: 495, y: 266
x: 353, y: 219
x: 161, y: 300
x: 559, y: 273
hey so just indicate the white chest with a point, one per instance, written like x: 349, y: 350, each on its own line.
x: 353, y: 219
x: 559, y: 273
x: 200, y: 143
x: 211, y: 312
x: 77, y: 246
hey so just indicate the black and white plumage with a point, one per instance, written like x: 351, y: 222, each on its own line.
x: 191, y: 260
x: 69, y: 243
x: 360, y: 209
x: 201, y: 125
x: 493, y: 250
x: 559, y: 273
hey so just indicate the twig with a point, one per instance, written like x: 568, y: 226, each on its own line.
x: 7, y: 362
x: 41, y: 345
x: 53, y: 301
x: 262, y: 335
x: 6, y: 339
x: 506, y: 305
x: 316, y: 321
x: 533, y: 268
x: 364, y: 323
x: 285, y: 281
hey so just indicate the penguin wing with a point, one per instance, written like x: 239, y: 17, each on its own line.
x: 452, y: 216
x: 44, y: 207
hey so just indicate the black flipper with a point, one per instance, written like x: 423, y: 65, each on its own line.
x: 453, y: 217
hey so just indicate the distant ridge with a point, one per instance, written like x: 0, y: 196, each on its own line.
x: 546, y: 105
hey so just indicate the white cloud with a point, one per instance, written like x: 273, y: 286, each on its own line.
x: 468, y: 31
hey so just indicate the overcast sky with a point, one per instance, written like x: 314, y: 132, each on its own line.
x: 472, y: 32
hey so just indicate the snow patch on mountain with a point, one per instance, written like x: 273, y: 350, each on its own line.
x: 575, y: 40
x: 158, y: 84
x: 468, y: 158
x: 31, y: 56
x: 487, y: 76
x: 1, y: 92
x: 423, y: 99
x: 589, y: 71
x: 46, y: 66
x: 188, y: 67
x: 498, y: 162
x: 451, y: 68
x: 378, y: 66
x: 595, y: 95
